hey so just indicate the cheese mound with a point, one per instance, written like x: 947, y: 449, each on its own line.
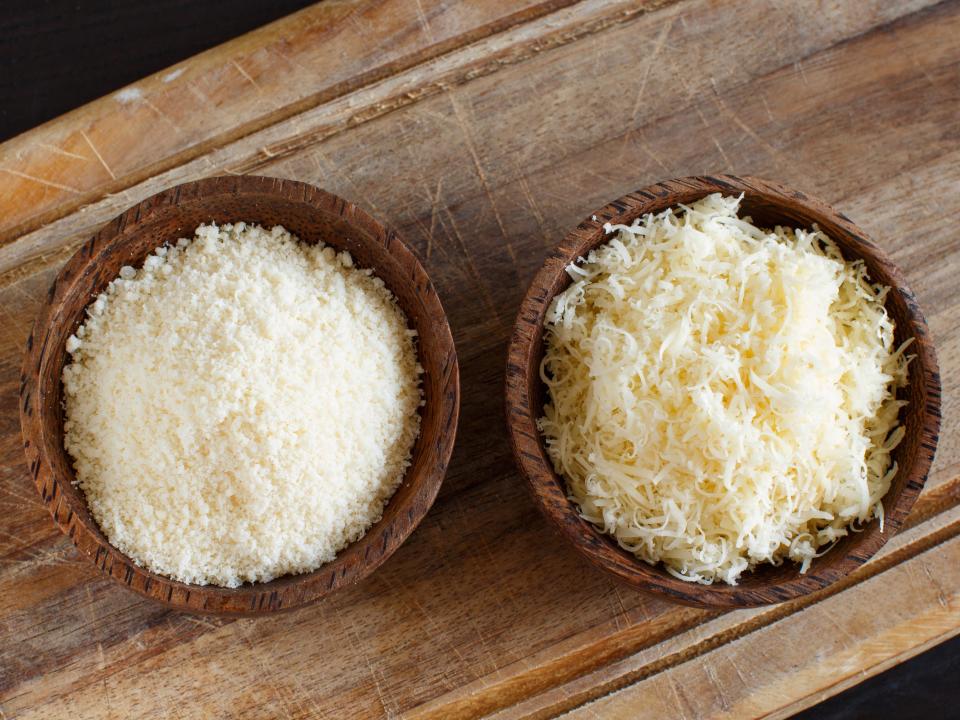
x: 720, y: 395
x: 241, y: 407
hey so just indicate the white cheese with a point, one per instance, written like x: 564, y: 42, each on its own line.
x: 720, y: 395
x: 241, y: 407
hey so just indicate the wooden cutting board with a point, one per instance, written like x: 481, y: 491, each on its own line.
x: 483, y: 131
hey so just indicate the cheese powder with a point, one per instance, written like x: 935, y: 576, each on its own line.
x: 241, y: 407
x: 720, y: 395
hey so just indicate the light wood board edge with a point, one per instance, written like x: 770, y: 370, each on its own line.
x: 477, y: 52
x: 563, y: 678
x: 805, y: 658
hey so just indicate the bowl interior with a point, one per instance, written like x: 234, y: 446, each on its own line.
x: 314, y: 216
x: 768, y: 205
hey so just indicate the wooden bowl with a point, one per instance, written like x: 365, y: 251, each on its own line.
x: 313, y: 215
x: 769, y: 204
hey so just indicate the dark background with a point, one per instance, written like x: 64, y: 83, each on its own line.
x: 56, y: 55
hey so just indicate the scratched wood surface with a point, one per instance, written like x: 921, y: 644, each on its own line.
x: 483, y: 131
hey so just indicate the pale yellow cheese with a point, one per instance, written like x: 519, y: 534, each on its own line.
x: 241, y: 407
x: 721, y: 395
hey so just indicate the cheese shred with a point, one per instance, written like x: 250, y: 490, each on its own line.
x: 720, y: 395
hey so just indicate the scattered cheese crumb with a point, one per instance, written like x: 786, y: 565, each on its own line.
x: 128, y: 95
x: 242, y: 407
x: 720, y: 395
x: 173, y: 75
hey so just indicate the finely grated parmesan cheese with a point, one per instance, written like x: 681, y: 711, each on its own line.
x: 241, y: 407
x: 720, y: 395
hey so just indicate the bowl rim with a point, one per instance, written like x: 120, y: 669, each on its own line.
x: 289, y: 591
x: 547, y: 488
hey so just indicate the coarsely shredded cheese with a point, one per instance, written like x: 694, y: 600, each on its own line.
x: 241, y: 407
x: 721, y: 395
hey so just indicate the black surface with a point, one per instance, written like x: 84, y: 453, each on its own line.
x: 55, y: 56
x: 926, y: 687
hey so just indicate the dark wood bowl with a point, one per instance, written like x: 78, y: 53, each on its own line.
x: 769, y: 204
x: 313, y: 215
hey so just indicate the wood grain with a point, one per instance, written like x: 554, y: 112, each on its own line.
x: 313, y: 216
x: 221, y: 95
x: 769, y: 205
x: 483, y: 157
x: 856, y: 645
